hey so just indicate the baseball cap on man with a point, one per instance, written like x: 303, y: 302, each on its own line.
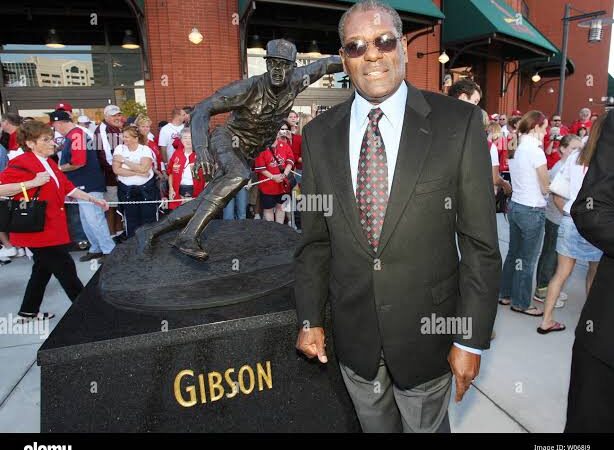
x: 83, y: 119
x: 517, y: 113
x: 64, y: 106
x: 111, y: 110
x: 494, y: 116
x: 282, y: 49
x: 60, y: 116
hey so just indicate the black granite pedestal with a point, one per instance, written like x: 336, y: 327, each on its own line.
x: 118, y: 363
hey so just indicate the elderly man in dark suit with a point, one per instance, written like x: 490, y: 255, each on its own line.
x: 591, y: 388
x: 409, y: 174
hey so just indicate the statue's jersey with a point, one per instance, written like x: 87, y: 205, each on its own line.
x: 256, y: 111
x: 256, y: 123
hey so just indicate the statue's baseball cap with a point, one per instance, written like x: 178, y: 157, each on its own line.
x: 281, y: 49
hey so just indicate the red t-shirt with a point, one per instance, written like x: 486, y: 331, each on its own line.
x: 13, y: 145
x: 575, y: 127
x: 274, y: 160
x: 157, y: 156
x: 554, y: 156
x: 78, y: 157
x: 297, y: 141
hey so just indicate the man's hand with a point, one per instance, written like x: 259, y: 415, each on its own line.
x: 465, y: 367
x: 205, y: 162
x: 507, y: 187
x: 311, y: 343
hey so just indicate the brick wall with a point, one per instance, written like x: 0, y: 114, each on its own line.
x: 193, y: 71
x: 589, y: 59
x: 425, y: 73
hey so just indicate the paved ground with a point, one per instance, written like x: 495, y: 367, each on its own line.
x: 522, y: 386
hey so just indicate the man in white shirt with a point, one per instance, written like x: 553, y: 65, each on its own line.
x: 170, y: 132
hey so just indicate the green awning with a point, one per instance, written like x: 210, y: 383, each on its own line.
x: 469, y: 21
x: 424, y: 10
x: 548, y: 67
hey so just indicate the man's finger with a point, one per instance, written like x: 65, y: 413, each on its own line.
x: 309, y: 350
x: 321, y: 353
x: 460, y: 390
x: 462, y: 385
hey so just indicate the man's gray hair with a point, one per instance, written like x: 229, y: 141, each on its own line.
x: 371, y: 5
x: 185, y: 130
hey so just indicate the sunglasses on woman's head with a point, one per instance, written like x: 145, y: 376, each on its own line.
x: 385, y: 43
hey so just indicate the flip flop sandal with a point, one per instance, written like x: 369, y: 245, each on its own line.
x: 505, y: 302
x: 526, y: 311
x: 556, y: 327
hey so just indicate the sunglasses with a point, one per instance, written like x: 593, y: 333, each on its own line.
x: 385, y: 43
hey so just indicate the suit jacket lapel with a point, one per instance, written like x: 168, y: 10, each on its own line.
x: 342, y: 175
x: 414, y: 146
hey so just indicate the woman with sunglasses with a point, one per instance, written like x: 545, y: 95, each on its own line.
x: 527, y: 214
x: 22, y: 178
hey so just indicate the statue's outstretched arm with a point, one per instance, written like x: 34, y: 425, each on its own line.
x: 316, y: 70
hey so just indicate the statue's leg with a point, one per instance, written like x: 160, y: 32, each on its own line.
x: 235, y: 174
x: 178, y: 218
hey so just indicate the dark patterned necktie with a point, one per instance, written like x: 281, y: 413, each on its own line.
x: 372, y: 180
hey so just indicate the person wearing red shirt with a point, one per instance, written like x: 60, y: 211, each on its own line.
x: 48, y: 247
x: 9, y: 124
x: 182, y: 184
x: 552, y: 141
x: 583, y: 122
x: 296, y: 140
x: 274, y: 165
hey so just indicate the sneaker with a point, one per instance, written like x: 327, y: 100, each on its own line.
x: 560, y: 302
x: 563, y: 296
x: 21, y: 252
x: 541, y: 292
x: 83, y: 245
x: 539, y: 298
x: 89, y: 256
x: 8, y: 252
x: 26, y: 317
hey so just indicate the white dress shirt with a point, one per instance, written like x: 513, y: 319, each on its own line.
x: 48, y: 168
x: 390, y: 126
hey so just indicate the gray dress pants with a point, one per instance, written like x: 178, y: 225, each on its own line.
x: 384, y: 408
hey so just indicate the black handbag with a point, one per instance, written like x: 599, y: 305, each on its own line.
x: 25, y: 215
x: 5, y: 214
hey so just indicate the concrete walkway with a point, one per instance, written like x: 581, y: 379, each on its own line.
x: 522, y: 386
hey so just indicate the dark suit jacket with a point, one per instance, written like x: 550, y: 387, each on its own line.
x: 593, y: 214
x: 442, y: 188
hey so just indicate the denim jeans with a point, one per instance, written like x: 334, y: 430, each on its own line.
x: 75, y: 227
x: 136, y: 215
x: 236, y: 209
x: 526, y: 228
x: 547, y: 263
x: 95, y: 226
